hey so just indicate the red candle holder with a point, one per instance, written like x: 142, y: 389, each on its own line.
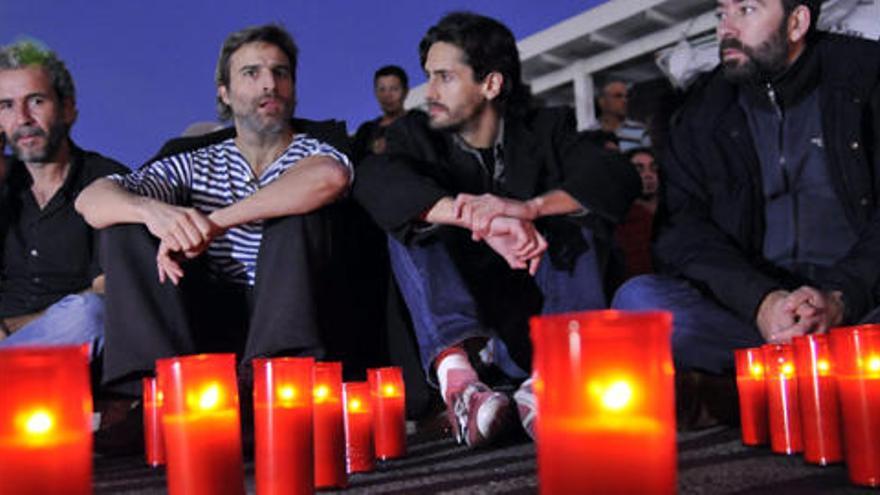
x: 329, y: 426
x: 856, y: 352
x: 200, y: 422
x: 606, y: 406
x: 45, y: 420
x: 783, y: 412
x: 752, y: 395
x: 360, y: 455
x: 817, y: 393
x: 389, y: 417
x: 283, y: 445
x: 154, y: 444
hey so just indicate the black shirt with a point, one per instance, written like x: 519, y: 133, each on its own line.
x: 49, y: 253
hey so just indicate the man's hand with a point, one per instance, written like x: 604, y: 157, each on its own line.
x: 517, y: 241
x: 168, y: 260
x: 784, y: 315
x: 181, y: 229
x: 823, y: 310
x: 478, y: 212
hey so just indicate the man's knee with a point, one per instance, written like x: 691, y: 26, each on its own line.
x: 641, y: 292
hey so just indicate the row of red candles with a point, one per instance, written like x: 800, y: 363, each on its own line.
x: 310, y: 428
x: 819, y: 395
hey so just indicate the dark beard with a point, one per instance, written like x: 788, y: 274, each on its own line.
x: 54, y: 138
x: 763, y: 63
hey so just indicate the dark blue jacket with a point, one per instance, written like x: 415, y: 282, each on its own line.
x: 712, y: 220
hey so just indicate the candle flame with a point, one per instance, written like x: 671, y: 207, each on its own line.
x: 757, y: 370
x: 389, y: 390
x: 616, y: 396
x: 321, y: 393
x: 874, y: 364
x: 209, y: 398
x: 823, y: 366
x: 39, y: 422
x: 354, y: 405
x: 787, y: 370
x: 287, y: 393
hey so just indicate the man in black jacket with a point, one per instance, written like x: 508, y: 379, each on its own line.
x: 484, y: 167
x: 772, y: 185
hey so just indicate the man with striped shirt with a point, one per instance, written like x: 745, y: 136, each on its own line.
x: 221, y: 248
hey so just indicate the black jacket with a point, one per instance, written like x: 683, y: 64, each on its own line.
x: 541, y: 151
x: 712, y: 227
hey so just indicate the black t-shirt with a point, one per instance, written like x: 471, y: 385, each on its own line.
x: 49, y: 253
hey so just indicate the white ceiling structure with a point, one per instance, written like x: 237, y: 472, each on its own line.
x: 619, y: 39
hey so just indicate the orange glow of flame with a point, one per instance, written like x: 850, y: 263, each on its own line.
x: 321, y: 393
x: 757, y: 370
x: 823, y: 366
x: 615, y: 396
x: 209, y: 398
x: 286, y: 393
x: 355, y: 405
x: 38, y: 422
x: 786, y: 370
x: 389, y: 390
x: 874, y: 364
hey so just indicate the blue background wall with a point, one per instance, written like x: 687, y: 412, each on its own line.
x: 144, y: 70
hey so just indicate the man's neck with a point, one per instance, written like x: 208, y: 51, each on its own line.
x: 610, y: 123
x: 262, y: 149
x: 48, y: 177
x: 483, y: 130
x: 388, y: 118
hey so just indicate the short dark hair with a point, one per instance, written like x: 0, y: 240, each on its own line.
x: 815, y: 7
x: 488, y: 46
x: 643, y: 150
x: 392, y: 70
x: 28, y: 53
x: 269, y: 33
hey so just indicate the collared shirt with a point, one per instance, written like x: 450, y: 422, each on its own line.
x: 215, y: 177
x: 51, y: 252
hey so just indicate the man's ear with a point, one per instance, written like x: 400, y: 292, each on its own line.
x: 492, y: 84
x: 223, y: 94
x: 68, y: 111
x: 799, y: 22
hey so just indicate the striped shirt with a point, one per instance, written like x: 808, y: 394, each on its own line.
x: 215, y: 177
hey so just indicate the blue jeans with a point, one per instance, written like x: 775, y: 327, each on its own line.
x: 704, y: 333
x: 446, y: 312
x: 75, y: 319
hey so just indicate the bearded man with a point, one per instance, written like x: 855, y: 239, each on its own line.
x: 222, y: 248
x: 772, y: 189
x: 49, y: 268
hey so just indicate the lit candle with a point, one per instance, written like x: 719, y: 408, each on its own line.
x: 284, y: 455
x: 200, y: 419
x: 783, y: 412
x: 389, y: 416
x: 45, y: 421
x: 605, y: 391
x: 154, y: 446
x: 360, y: 456
x: 856, y: 352
x: 752, y: 395
x: 329, y: 426
x: 817, y: 393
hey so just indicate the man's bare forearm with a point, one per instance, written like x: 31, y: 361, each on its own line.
x: 555, y: 202
x: 104, y: 203
x: 314, y: 182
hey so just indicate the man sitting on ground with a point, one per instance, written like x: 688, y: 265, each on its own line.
x: 479, y: 195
